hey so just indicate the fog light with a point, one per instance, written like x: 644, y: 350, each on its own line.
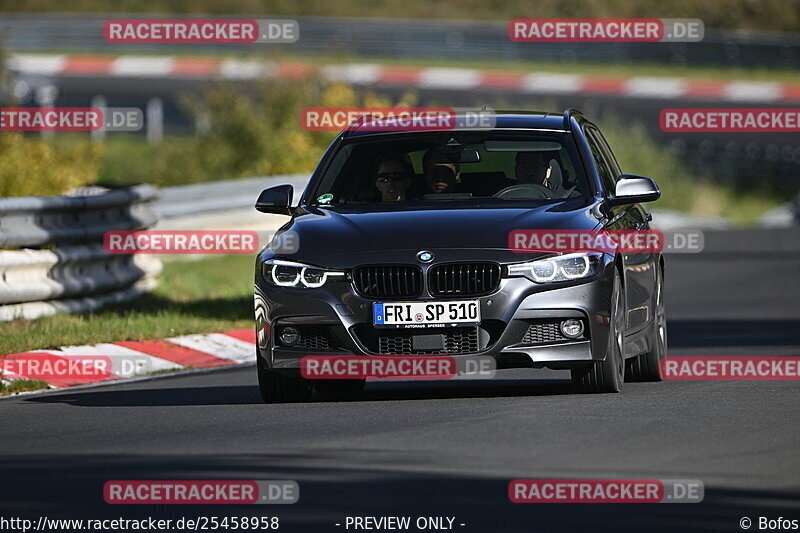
x: 289, y: 336
x: 572, y: 328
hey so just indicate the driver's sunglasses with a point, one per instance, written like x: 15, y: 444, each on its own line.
x: 386, y: 177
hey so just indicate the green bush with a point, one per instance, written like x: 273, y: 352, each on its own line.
x: 30, y: 166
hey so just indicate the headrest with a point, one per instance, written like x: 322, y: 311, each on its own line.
x: 556, y: 180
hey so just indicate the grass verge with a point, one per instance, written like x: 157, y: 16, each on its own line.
x: 21, y: 385
x: 214, y: 294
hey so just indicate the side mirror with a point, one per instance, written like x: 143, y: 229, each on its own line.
x: 633, y: 190
x: 277, y: 200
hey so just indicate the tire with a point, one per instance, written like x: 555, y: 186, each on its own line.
x: 279, y: 387
x: 647, y: 366
x: 340, y: 387
x: 609, y: 374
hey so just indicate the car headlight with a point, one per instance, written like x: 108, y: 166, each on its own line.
x: 558, y: 268
x: 289, y: 274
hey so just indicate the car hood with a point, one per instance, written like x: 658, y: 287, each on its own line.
x: 335, y: 232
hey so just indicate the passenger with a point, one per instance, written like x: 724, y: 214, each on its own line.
x: 439, y: 177
x: 393, y: 177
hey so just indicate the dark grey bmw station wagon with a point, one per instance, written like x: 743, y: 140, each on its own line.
x: 403, y: 250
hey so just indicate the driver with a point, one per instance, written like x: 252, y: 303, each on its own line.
x: 393, y: 177
x: 533, y: 167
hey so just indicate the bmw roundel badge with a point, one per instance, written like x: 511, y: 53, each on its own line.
x: 425, y: 257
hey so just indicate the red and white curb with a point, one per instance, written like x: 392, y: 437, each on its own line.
x: 132, y: 359
x: 404, y: 76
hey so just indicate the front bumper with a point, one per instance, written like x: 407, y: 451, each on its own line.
x: 506, y: 316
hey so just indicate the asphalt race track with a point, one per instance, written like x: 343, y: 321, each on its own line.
x: 450, y: 449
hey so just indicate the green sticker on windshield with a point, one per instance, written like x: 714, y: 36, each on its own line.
x: 325, y: 198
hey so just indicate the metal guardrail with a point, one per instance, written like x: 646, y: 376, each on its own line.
x: 36, y: 275
x: 184, y: 200
x: 43, y: 220
x: 70, y: 271
x: 416, y: 38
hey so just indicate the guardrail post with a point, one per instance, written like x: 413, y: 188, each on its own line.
x: 99, y: 102
x: 155, y: 120
x: 46, y: 97
x: 202, y: 121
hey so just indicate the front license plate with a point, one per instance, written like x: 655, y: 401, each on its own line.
x: 426, y: 314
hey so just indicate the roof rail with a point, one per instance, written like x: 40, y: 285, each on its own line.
x: 567, y: 114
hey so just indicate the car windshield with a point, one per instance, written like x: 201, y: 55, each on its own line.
x: 458, y: 167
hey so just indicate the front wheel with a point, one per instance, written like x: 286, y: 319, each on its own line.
x: 279, y: 387
x: 609, y: 374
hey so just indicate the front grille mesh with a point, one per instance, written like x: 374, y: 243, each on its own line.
x: 463, y: 279
x: 387, y: 281
x: 313, y: 338
x: 457, y: 341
